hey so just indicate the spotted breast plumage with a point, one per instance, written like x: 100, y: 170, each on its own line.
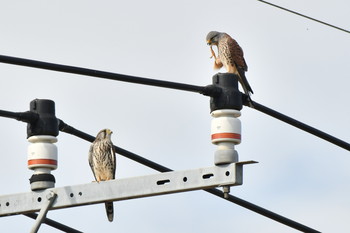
x: 102, y: 161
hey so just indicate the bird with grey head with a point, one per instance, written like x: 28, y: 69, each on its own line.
x: 230, y: 55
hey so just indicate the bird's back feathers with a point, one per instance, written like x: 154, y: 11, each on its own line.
x: 232, y: 56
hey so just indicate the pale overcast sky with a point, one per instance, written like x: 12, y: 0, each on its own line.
x: 296, y: 66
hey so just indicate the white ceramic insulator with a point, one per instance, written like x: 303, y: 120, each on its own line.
x: 225, y: 126
x: 42, y: 153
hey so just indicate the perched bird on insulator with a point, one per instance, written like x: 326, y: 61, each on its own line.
x: 102, y: 161
x: 230, y: 55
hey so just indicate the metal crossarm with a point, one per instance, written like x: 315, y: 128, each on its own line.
x: 123, y: 189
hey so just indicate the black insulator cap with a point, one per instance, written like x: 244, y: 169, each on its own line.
x: 46, y: 123
x: 42, y: 177
x: 230, y: 97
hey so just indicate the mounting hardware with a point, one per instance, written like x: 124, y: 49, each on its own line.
x: 226, y: 190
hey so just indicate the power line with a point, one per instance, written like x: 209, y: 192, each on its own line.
x: 300, y: 125
x: 264, y: 212
x: 71, y: 130
x: 294, y: 12
x: 208, y: 90
x: 20, y: 116
x: 54, y: 224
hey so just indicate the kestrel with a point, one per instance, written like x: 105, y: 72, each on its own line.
x: 230, y: 55
x: 103, y: 162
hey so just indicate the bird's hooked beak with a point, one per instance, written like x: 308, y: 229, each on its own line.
x: 208, y: 42
x: 109, y: 131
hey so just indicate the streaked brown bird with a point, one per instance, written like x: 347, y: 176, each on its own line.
x: 102, y: 161
x: 230, y: 55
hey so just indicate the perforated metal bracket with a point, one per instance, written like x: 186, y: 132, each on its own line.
x: 123, y: 189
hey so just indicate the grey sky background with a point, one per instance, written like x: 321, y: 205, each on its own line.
x: 296, y: 66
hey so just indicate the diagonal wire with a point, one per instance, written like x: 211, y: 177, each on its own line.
x: 294, y: 12
x: 54, y: 224
x: 70, y: 130
x: 299, y: 125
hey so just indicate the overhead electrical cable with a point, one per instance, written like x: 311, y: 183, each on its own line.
x: 300, y: 125
x: 102, y: 74
x: 54, y: 224
x: 308, y: 17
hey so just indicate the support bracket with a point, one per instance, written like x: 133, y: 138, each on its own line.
x: 51, y: 197
x: 123, y: 189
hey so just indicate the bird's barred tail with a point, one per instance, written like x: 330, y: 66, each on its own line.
x: 246, y: 87
x: 109, y: 211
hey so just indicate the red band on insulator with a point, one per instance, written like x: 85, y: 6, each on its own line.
x: 225, y: 135
x: 42, y: 161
